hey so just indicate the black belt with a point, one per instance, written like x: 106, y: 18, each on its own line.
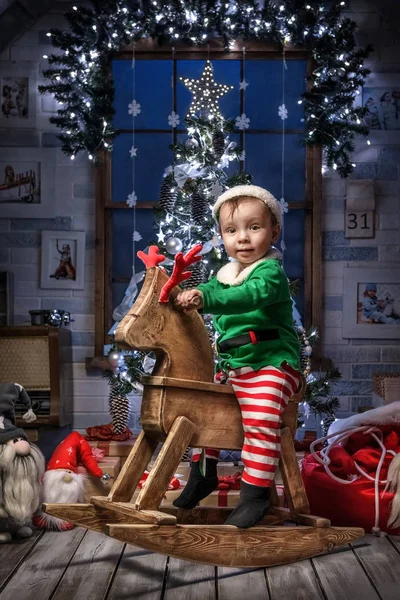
x: 252, y: 337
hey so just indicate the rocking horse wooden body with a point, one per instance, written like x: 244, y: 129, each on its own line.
x: 182, y: 406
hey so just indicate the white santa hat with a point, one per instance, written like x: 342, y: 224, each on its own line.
x: 252, y: 191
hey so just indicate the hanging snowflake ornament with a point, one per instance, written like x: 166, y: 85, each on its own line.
x: 133, y: 151
x: 134, y: 108
x: 132, y: 199
x: 282, y: 112
x: 173, y: 119
x: 242, y: 155
x: 136, y: 237
x: 242, y: 122
x: 284, y: 206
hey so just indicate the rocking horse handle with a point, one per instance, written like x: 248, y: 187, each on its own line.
x: 178, y: 273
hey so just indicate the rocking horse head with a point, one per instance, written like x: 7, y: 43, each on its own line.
x: 180, y: 341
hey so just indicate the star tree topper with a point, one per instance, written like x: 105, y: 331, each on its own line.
x: 206, y: 91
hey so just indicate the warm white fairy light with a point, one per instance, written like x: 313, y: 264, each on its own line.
x: 206, y: 91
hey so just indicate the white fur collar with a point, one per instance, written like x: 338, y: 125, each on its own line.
x: 229, y: 274
x: 383, y: 415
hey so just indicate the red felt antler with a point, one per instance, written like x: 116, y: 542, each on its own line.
x: 152, y: 259
x: 178, y: 273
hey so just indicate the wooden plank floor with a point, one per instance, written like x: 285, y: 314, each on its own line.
x: 86, y: 565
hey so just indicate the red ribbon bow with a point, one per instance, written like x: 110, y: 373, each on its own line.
x: 230, y: 482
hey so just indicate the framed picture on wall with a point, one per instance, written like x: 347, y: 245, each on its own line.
x: 381, y: 97
x: 18, y: 93
x: 27, y: 182
x: 63, y: 260
x: 371, y: 304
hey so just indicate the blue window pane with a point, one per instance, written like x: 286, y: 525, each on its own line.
x: 226, y: 72
x: 153, y: 157
x: 122, y: 245
x: 264, y: 163
x: 294, y: 241
x: 150, y: 84
x: 264, y: 93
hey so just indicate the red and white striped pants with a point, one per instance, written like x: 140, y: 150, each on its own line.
x: 262, y: 396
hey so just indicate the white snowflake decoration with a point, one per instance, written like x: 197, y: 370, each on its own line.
x: 136, y: 237
x: 173, y: 119
x: 282, y: 112
x: 133, y: 151
x: 132, y: 199
x: 242, y: 122
x: 284, y: 205
x: 134, y: 108
x: 242, y: 155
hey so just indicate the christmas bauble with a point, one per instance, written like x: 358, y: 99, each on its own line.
x: 115, y: 358
x: 174, y: 245
x: 55, y: 318
x: 192, y: 144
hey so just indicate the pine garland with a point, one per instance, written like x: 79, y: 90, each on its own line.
x: 79, y: 78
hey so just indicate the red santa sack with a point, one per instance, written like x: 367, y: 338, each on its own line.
x: 354, y: 504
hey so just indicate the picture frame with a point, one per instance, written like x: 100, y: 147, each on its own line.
x: 27, y: 182
x: 18, y: 96
x: 371, y: 303
x: 63, y: 260
x: 382, y: 118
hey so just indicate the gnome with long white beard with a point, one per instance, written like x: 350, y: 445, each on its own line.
x: 21, y: 472
x: 62, y: 481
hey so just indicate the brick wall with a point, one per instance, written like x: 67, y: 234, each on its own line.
x: 74, y: 200
x: 358, y: 359
x: 20, y: 238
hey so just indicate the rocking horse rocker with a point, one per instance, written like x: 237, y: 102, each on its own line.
x: 182, y: 406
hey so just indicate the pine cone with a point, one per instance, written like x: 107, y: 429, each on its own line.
x: 167, y: 196
x: 119, y: 410
x: 199, y: 207
x: 196, y: 278
x: 218, y: 142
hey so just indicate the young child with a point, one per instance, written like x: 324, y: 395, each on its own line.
x: 257, y: 345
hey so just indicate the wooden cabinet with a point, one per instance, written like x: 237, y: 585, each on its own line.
x: 39, y: 358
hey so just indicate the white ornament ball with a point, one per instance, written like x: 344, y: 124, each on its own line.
x: 192, y: 144
x: 114, y: 358
x: 308, y: 350
x: 174, y: 245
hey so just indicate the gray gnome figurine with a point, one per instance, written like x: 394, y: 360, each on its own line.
x: 10, y: 394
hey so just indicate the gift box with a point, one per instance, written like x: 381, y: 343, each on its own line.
x: 114, y: 448
x: 110, y: 465
x: 222, y: 498
x: 94, y: 486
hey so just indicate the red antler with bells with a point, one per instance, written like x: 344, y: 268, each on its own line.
x: 178, y: 273
x: 152, y: 259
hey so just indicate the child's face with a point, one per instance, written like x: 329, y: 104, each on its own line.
x: 247, y: 232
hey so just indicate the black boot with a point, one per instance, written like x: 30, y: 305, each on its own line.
x: 252, y: 507
x: 198, y: 486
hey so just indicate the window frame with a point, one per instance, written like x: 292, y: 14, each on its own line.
x: 148, y: 50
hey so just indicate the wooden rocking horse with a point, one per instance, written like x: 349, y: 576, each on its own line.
x: 182, y: 406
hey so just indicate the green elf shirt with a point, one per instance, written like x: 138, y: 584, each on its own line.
x: 255, y: 298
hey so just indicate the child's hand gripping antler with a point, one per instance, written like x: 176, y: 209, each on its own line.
x: 179, y: 273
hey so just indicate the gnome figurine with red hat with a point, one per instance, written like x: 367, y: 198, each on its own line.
x: 63, y: 483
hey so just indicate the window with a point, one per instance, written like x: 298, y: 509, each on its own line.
x: 263, y: 141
